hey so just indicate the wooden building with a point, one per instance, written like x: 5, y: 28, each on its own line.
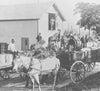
x: 23, y: 22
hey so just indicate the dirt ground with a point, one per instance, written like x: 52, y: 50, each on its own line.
x: 90, y: 83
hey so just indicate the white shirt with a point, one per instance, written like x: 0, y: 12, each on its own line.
x: 11, y: 47
x: 90, y: 44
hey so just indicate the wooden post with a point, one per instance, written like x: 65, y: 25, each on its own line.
x: 79, y: 30
x: 89, y: 32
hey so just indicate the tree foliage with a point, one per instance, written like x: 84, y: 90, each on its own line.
x: 90, y: 16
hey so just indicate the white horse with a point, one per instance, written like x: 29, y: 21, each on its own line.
x: 38, y: 67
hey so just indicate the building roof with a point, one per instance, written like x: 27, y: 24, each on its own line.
x: 26, y: 11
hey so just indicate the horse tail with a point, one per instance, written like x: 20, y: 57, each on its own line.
x: 57, y: 64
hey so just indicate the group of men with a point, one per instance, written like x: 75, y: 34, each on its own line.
x: 12, y: 48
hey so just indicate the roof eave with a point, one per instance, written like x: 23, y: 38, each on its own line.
x: 59, y: 12
x: 24, y: 19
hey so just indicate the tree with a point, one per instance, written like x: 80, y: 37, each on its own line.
x: 90, y: 16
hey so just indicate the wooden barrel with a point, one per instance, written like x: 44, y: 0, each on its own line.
x: 3, y: 48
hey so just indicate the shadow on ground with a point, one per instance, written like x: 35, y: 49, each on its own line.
x: 88, y: 84
x: 12, y: 81
x: 91, y: 82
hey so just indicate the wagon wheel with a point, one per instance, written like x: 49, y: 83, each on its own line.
x: 77, y: 72
x: 89, y: 66
x: 4, y: 74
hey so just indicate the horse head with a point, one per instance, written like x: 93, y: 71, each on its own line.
x: 20, y: 63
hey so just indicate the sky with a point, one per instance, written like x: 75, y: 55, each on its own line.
x: 66, y: 7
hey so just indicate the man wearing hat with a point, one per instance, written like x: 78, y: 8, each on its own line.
x: 71, y: 43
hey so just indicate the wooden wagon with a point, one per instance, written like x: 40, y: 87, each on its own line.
x: 79, y: 62
x: 6, y: 61
x: 5, y: 65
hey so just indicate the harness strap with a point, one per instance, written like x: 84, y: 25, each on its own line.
x: 49, y: 70
x: 40, y: 65
x: 30, y: 65
x: 36, y: 68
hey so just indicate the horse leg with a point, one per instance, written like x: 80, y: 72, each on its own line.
x: 55, y: 77
x: 27, y: 80
x: 36, y: 76
x: 55, y: 74
x: 32, y: 79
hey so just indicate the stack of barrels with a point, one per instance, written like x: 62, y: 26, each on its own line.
x: 3, y: 48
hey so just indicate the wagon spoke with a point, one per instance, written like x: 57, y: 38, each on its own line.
x: 90, y: 66
x: 79, y: 77
x: 79, y: 71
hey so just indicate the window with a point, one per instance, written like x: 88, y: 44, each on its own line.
x: 24, y: 44
x: 52, y: 21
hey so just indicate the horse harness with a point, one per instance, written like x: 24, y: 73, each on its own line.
x: 30, y: 67
x: 36, y: 69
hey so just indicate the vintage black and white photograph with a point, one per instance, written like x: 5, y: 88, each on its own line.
x: 49, y: 45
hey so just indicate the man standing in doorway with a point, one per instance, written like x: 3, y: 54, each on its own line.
x: 39, y: 37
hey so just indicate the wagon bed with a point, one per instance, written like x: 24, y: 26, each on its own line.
x: 5, y: 64
x: 5, y: 60
x: 79, y: 62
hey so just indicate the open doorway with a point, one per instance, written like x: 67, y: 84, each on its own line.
x: 24, y: 44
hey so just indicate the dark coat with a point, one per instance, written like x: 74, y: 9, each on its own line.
x: 72, y: 42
